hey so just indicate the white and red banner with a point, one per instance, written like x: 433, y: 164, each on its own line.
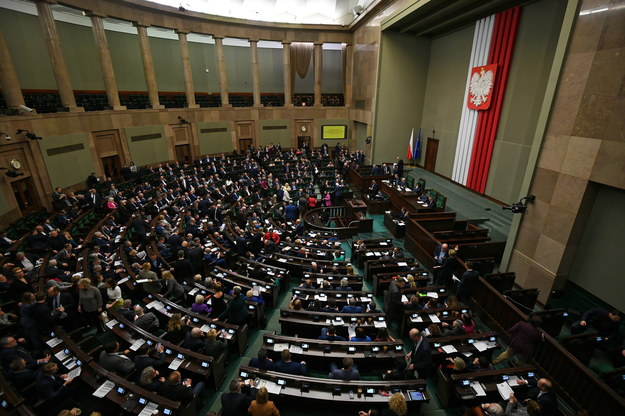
x: 489, y: 66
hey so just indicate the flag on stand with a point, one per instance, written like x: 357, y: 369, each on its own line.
x: 417, y: 147
x: 410, y: 153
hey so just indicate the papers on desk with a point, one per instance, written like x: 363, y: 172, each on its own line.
x: 124, y: 280
x: 271, y: 387
x: 377, y: 253
x: 256, y: 290
x: 402, y: 264
x: 513, y: 381
x: 351, y: 331
x: 295, y: 349
x: 282, y: 260
x: 71, y: 364
x: 110, y: 324
x: 53, y: 342
x: 227, y: 335
x: 477, y: 388
x: 449, y: 349
x: 143, y: 280
x: 401, y: 223
x: 432, y: 295
x: 155, y: 304
x: 434, y: 318
x: 205, y: 328
x: 369, y: 254
x: 379, y: 324
x: 220, y: 275
x: 74, y: 373
x: 281, y: 346
x: 319, y: 280
x: 176, y: 363
x: 418, y: 318
x: 135, y: 345
x: 193, y: 291
x: 383, y: 243
x: 149, y: 409
x: 404, y: 299
x: 104, y: 389
x: 480, y: 345
x: 504, y: 390
x: 118, y: 263
x: 365, y: 299
x: 61, y: 356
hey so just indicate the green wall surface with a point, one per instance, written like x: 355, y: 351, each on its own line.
x: 127, y: 63
x: 81, y: 56
x: 333, y: 122
x: 536, y: 42
x: 400, y: 93
x: 283, y: 136
x: 167, y: 64
x: 332, y: 72
x: 270, y: 63
x: 604, y: 228
x: 23, y: 35
x: 147, y: 151
x: 239, y: 67
x: 70, y: 168
x: 444, y: 95
x: 203, y: 58
x: 217, y: 142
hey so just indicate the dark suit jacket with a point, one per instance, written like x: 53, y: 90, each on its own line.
x: 236, y: 404
x: 193, y: 344
x: 49, y: 388
x: 147, y: 322
x: 183, y: 269
x: 421, y: 359
x: 113, y: 362
x: 290, y: 368
x: 177, y: 392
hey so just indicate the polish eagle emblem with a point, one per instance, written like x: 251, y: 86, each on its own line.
x: 481, y: 86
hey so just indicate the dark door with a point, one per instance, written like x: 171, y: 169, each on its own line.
x: 301, y: 140
x: 111, y: 165
x: 430, y: 154
x: 244, y: 144
x: 183, y: 153
x: 24, y: 191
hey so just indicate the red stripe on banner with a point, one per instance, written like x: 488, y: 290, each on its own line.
x: 502, y: 47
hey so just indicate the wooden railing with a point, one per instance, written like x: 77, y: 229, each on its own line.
x: 575, y: 383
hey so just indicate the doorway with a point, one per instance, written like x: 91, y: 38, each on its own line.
x: 431, y: 152
x: 303, y: 140
x: 183, y: 153
x: 244, y: 144
x: 112, y: 166
x: 25, y: 195
x: 245, y: 134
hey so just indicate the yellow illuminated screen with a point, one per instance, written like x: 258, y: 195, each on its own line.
x: 333, y: 132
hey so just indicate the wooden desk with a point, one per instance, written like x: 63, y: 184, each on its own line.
x: 308, y: 323
x: 395, y: 226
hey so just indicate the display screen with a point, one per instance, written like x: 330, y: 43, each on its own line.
x: 334, y: 132
x: 416, y: 395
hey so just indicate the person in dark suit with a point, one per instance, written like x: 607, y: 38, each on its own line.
x: 400, y: 166
x: 194, y: 340
x: 329, y: 334
x: 446, y: 271
x: 543, y: 394
x: 236, y: 312
x: 20, y: 375
x: 195, y: 256
x: 348, y: 372
x: 285, y: 365
x: 149, y: 357
x: 113, y: 360
x: 238, y: 398
x: 467, y: 283
x: 141, y: 228
x: 262, y: 361
x: 146, y: 321
x: 183, y: 268
x: 420, y: 357
x: 291, y: 212
x: 177, y: 389
x: 55, y: 389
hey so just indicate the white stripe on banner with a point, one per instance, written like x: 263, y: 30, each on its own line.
x: 468, y: 119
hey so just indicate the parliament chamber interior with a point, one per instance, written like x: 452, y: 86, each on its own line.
x: 307, y: 207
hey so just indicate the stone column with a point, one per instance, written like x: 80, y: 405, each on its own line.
x: 148, y: 65
x: 8, y: 78
x: 318, y: 69
x: 286, y: 54
x: 108, y: 74
x: 53, y: 44
x: 349, y: 67
x: 255, y: 72
x: 221, y: 66
x: 186, y: 68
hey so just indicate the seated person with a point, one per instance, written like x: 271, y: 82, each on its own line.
x: 348, y: 372
x: 199, y: 306
x: 456, y: 328
x: 149, y: 357
x: 174, y: 388
x: 329, y: 334
x: 360, y: 336
x: 146, y: 321
x: 149, y: 379
x: 213, y: 346
x: 285, y: 365
x: 238, y: 398
x: 194, y: 340
x: 308, y: 284
x: 399, y: 372
x: 20, y: 375
x: 344, y: 285
x: 606, y: 323
x: 351, y: 307
x: 249, y: 295
x: 455, y: 365
x: 262, y: 361
x: 373, y: 307
x: 112, y: 359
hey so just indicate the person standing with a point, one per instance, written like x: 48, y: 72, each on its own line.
x: 467, y: 283
x: 90, y: 303
x: 420, y: 357
x: 524, y: 339
x: 392, y: 302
